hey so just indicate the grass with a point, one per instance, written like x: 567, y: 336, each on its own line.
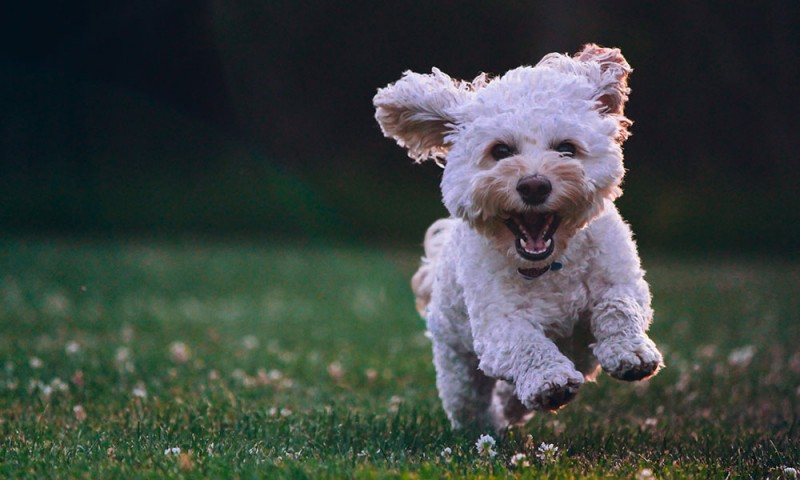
x: 308, y: 361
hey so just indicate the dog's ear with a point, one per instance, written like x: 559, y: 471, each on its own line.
x: 417, y: 111
x: 613, y: 81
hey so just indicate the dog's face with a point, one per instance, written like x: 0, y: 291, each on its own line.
x: 531, y: 157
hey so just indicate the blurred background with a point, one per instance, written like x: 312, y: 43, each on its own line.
x: 252, y: 117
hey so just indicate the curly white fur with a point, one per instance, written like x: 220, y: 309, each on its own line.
x: 512, y: 331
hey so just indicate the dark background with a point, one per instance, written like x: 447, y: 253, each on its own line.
x: 254, y: 116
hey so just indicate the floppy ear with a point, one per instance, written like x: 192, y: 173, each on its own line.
x: 417, y: 112
x: 613, y: 80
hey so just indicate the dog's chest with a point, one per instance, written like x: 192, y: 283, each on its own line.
x: 555, y: 301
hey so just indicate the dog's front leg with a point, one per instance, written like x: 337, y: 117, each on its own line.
x: 620, y: 306
x: 623, y: 348
x: 519, y: 352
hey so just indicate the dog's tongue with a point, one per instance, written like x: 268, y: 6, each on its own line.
x: 535, y: 229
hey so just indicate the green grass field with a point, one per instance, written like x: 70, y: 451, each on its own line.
x: 245, y: 359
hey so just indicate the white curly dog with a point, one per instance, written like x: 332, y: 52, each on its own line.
x: 534, y: 282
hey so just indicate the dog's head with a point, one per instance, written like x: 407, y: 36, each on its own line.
x: 530, y: 157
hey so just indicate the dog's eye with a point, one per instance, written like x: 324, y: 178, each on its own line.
x: 501, y: 151
x: 566, y: 148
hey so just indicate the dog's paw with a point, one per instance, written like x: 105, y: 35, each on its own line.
x: 629, y: 358
x: 551, y: 394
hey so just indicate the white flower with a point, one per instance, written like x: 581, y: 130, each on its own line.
x: 58, y: 385
x: 72, y: 347
x: 741, y: 357
x: 446, y: 454
x: 394, y: 403
x: 172, y: 451
x: 79, y: 412
x: 123, y: 354
x: 547, y: 452
x: 250, y: 342
x: 336, y: 370
x: 485, y: 446
x: 179, y: 352
x: 139, y: 391
x: 519, y: 460
x: 645, y: 474
x: 47, y: 390
x: 649, y: 423
x: 790, y: 472
x: 35, y: 362
x: 122, y: 359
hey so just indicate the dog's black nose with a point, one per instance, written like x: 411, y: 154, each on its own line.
x: 534, y: 189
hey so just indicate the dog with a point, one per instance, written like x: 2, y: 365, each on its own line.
x: 534, y: 283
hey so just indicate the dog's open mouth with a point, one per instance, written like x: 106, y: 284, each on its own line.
x: 533, y: 233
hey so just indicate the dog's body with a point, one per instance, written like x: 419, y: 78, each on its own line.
x: 534, y: 282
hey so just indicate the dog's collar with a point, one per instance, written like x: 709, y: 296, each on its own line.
x: 533, y: 273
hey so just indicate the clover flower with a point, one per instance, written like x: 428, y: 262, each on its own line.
x: 547, y: 452
x: 179, y: 352
x: 645, y: 474
x: 336, y: 370
x: 72, y: 347
x: 250, y: 342
x: 79, y: 412
x: 139, y: 391
x: 741, y: 357
x: 446, y: 454
x: 485, y: 446
x: 519, y: 460
x: 123, y: 360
